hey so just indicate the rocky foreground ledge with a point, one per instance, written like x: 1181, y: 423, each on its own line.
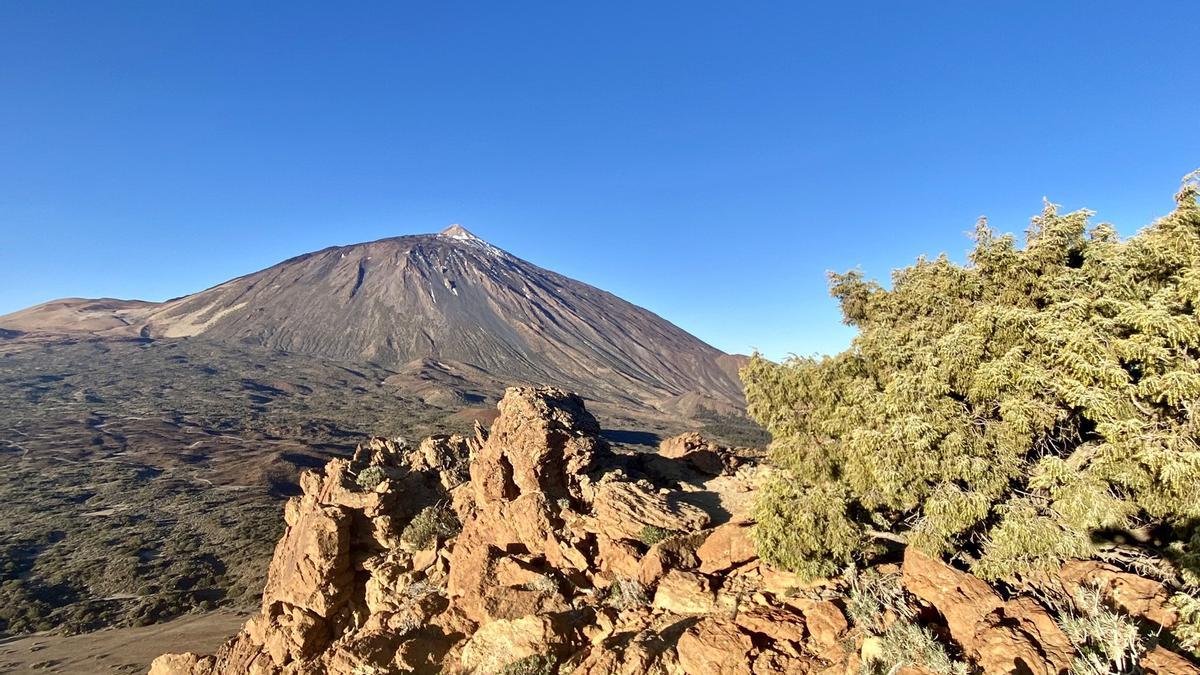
x: 536, y: 549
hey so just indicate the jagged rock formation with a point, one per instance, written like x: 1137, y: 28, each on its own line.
x: 448, y: 306
x: 534, y: 544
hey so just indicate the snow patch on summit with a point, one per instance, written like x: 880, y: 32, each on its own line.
x: 461, y: 234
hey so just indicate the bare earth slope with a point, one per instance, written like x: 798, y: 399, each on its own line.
x: 450, y: 298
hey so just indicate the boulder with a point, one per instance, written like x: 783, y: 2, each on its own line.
x: 180, y: 664
x: 311, y: 565
x: 447, y: 455
x: 684, y: 593
x: 646, y: 653
x: 728, y: 546
x: 1159, y: 661
x: 1022, y: 637
x: 624, y: 509
x: 825, y: 623
x: 542, y: 438
x: 677, y: 552
x: 1137, y: 596
x: 698, y: 453
x: 776, y: 624
x: 964, y: 600
x: 715, y: 645
x: 501, y: 642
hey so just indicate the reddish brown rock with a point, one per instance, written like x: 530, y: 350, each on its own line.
x: 684, y: 593
x: 618, y: 558
x: 541, y: 439
x: 645, y: 654
x: 678, y: 552
x: 623, y: 510
x: 180, y: 664
x: 311, y: 566
x: 964, y: 600
x: 1159, y: 661
x: 694, y: 450
x: 776, y: 624
x: 714, y: 645
x: 1138, y: 596
x: 501, y: 642
x: 1021, y: 637
x: 728, y: 546
x: 826, y: 623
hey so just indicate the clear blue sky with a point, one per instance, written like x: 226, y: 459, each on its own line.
x: 707, y: 160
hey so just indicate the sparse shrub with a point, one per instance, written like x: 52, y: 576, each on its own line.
x: 625, y: 593
x: 873, y: 597
x: 905, y: 643
x: 542, y: 583
x: 419, y: 589
x: 432, y: 523
x: 1107, y: 642
x: 652, y: 534
x: 370, y: 477
x: 538, y: 664
x: 1006, y: 409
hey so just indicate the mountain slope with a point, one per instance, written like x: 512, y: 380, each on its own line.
x: 450, y: 298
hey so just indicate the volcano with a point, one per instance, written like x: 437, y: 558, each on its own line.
x: 447, y: 308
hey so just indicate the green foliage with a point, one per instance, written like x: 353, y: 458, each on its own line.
x: 1187, y: 630
x: 370, y: 477
x: 652, y: 534
x: 432, y: 523
x: 538, y: 664
x: 1006, y: 409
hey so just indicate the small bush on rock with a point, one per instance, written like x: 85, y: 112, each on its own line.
x: 538, y: 664
x: 432, y: 523
x: 651, y: 534
x: 370, y: 477
x: 905, y: 644
x: 1187, y: 631
x: 626, y: 593
x: 1006, y: 409
x: 874, y: 596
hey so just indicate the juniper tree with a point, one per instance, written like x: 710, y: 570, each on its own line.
x: 1006, y: 409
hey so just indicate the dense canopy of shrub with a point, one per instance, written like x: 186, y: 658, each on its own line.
x: 1006, y: 410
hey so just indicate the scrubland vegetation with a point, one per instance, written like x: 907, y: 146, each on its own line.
x: 1034, y: 405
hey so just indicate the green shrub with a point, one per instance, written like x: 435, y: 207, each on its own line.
x: 538, y: 664
x: 1006, y: 409
x: 432, y: 523
x: 370, y: 477
x: 652, y: 534
x: 1187, y: 630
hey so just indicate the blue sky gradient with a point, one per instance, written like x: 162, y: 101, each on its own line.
x: 708, y: 160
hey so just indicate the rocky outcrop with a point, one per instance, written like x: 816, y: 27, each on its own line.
x: 698, y: 452
x: 535, y: 544
x: 559, y: 554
